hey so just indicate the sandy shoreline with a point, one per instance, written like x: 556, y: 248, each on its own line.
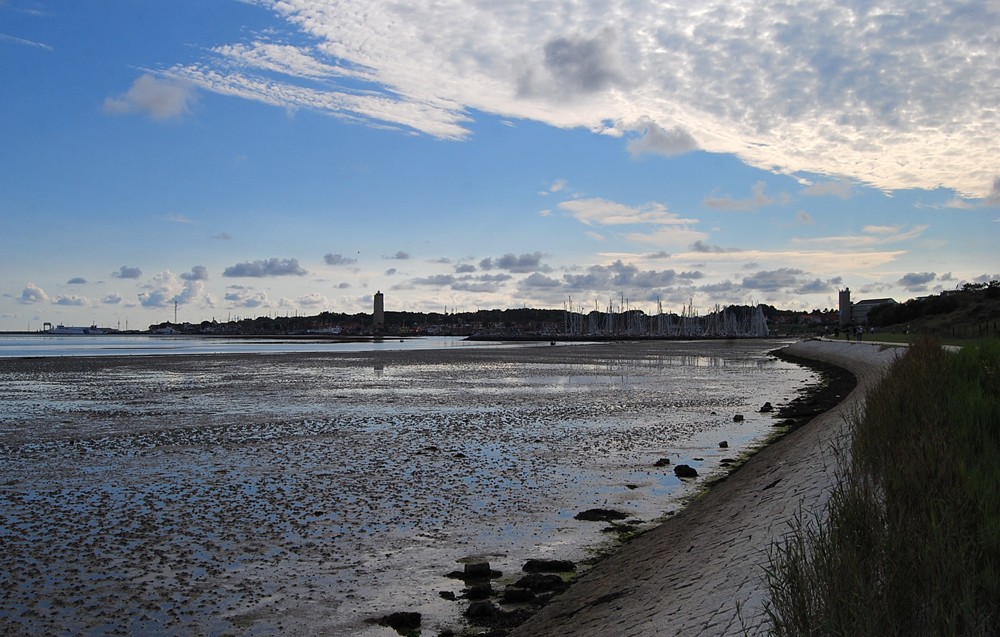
x: 699, y: 573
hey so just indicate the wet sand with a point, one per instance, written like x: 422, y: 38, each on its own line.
x: 306, y: 493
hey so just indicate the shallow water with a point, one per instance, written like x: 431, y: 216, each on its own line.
x: 304, y: 493
x: 22, y: 345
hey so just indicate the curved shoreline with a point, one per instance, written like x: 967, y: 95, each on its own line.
x: 700, y: 572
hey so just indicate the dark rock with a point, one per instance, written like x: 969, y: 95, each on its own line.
x: 460, y: 455
x: 479, y: 591
x: 548, y: 566
x: 738, y: 418
x: 512, y: 595
x: 685, y: 471
x: 448, y: 595
x: 446, y: 632
x: 723, y: 445
x: 766, y: 408
x: 401, y: 622
x: 478, y: 570
x: 662, y: 462
x: 482, y: 610
x: 600, y: 515
x: 539, y: 582
x: 631, y: 487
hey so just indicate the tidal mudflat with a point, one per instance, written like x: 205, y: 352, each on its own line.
x: 306, y: 493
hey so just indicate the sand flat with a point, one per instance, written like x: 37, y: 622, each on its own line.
x: 304, y: 493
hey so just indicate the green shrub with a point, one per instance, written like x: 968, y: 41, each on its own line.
x: 910, y: 543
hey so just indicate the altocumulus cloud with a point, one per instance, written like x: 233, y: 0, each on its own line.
x: 266, y: 268
x: 808, y: 87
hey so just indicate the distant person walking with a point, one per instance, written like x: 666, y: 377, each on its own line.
x: 861, y: 333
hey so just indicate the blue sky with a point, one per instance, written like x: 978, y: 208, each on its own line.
x: 255, y: 158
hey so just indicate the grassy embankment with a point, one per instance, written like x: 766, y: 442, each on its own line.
x: 958, y: 318
x: 910, y: 544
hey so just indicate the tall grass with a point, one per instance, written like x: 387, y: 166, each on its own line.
x: 910, y: 543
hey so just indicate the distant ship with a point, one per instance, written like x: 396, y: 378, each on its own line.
x: 62, y: 329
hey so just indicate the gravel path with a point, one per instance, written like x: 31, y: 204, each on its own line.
x: 700, y: 573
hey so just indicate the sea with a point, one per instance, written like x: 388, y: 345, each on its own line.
x: 177, y: 485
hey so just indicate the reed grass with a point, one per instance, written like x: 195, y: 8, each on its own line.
x: 909, y: 543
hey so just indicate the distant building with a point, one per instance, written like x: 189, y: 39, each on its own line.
x: 857, y: 312
x: 378, y: 314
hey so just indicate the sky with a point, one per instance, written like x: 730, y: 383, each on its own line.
x: 224, y: 159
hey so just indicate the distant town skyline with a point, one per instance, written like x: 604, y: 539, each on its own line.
x: 273, y: 158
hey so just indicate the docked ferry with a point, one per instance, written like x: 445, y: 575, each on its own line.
x: 62, y: 329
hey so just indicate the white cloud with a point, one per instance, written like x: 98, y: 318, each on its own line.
x: 313, y: 300
x: 875, y: 235
x: 33, y: 294
x: 165, y: 289
x: 239, y: 297
x: 281, y: 58
x: 892, y: 95
x: 71, y: 300
x: 159, y: 98
x: 610, y: 213
x: 668, y: 237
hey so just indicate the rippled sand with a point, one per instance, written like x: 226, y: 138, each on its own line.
x: 305, y: 493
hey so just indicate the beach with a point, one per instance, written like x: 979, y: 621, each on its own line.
x: 701, y: 572
x: 308, y: 493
